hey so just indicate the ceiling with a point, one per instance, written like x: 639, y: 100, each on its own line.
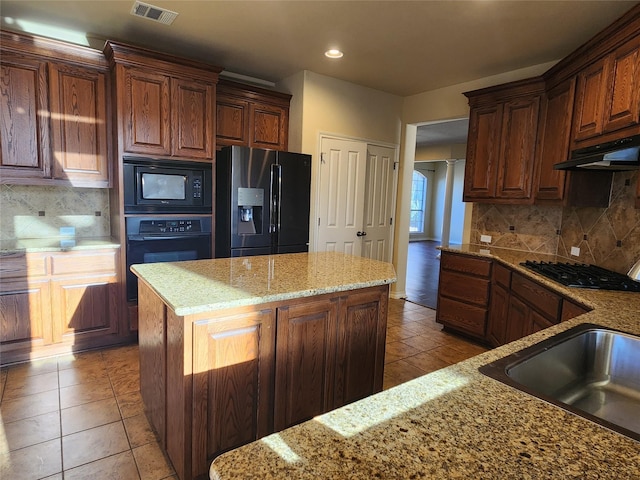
x: 399, y: 47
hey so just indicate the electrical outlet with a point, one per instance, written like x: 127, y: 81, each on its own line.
x: 485, y: 238
x: 575, y: 251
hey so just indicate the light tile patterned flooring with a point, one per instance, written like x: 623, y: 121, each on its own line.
x: 81, y: 415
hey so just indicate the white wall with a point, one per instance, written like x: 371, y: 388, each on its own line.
x: 322, y: 104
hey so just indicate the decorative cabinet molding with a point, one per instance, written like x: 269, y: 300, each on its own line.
x: 501, y: 146
x: 251, y: 116
x: 54, y: 101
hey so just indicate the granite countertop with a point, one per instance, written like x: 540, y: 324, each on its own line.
x: 206, y: 285
x: 454, y: 423
x: 57, y: 244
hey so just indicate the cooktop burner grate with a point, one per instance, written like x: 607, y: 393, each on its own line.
x: 583, y: 276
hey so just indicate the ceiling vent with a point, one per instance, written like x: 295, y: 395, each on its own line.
x: 157, y: 14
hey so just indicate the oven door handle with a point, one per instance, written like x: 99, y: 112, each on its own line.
x: 176, y: 237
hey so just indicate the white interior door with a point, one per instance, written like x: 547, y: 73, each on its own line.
x: 379, y: 203
x: 341, y: 195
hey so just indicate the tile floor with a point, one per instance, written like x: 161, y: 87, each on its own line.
x: 81, y: 416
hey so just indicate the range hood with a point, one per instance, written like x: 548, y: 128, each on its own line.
x: 618, y: 155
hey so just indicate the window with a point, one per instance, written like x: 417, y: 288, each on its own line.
x: 418, y: 202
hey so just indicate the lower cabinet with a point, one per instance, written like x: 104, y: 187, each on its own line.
x: 234, y: 361
x: 53, y: 303
x: 305, y: 361
x: 25, y: 316
x: 215, y: 381
x: 494, y: 304
x: 463, y: 294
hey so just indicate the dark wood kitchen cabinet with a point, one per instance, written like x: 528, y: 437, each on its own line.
x: 216, y: 380
x: 501, y: 147
x: 251, y: 116
x: 607, y: 95
x: 329, y: 353
x: 55, y: 114
x: 305, y: 361
x: 58, y: 302
x: 499, y: 306
x: 463, y: 294
x: 79, y: 120
x: 234, y: 357
x: 165, y: 104
x: 167, y: 116
x: 553, y: 143
x: 24, y: 131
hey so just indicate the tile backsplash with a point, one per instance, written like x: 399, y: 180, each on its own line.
x: 39, y: 212
x: 609, y: 237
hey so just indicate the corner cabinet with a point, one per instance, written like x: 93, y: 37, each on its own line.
x: 251, y: 116
x: 165, y: 104
x: 501, y: 148
x: 54, y: 102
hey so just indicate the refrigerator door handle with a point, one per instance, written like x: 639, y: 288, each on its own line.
x: 273, y: 204
x: 279, y: 195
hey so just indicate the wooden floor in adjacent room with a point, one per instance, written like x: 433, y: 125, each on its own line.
x: 82, y: 414
x: 423, y: 270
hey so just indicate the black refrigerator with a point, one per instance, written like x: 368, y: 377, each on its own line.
x: 262, y: 202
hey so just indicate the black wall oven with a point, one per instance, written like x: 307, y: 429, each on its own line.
x: 165, y: 239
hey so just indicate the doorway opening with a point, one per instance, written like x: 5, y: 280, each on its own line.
x: 439, y: 218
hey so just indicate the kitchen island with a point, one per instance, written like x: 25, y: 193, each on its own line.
x: 234, y: 349
x: 455, y: 422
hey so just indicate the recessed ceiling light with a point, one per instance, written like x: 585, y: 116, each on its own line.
x: 333, y: 53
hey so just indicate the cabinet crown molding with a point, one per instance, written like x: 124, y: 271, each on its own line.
x: 124, y: 54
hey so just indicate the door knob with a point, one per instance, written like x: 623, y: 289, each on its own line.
x: 361, y: 234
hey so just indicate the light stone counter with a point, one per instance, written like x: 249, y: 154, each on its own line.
x: 33, y: 245
x: 207, y: 285
x: 454, y: 423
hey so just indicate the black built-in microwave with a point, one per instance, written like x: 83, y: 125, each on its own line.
x: 161, y: 186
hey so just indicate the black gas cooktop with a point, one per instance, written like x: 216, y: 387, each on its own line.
x: 583, y: 276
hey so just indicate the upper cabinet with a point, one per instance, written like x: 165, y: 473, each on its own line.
x: 251, y: 116
x: 24, y: 132
x: 54, y: 108
x: 501, y: 147
x: 165, y: 104
x: 520, y: 130
x: 607, y: 97
x: 79, y: 124
x: 554, y: 138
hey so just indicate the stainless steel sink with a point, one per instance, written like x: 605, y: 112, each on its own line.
x: 589, y: 370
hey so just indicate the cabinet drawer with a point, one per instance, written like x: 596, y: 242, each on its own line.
x: 465, y: 288
x: 462, y: 316
x: 466, y: 264
x: 537, y: 296
x: 89, y: 262
x: 502, y: 276
x: 21, y: 265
